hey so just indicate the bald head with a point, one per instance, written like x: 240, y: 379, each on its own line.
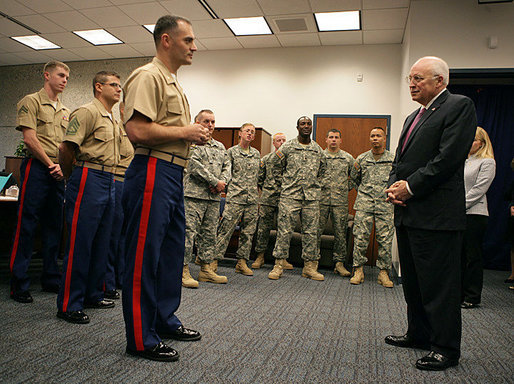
x: 437, y: 66
x: 427, y: 78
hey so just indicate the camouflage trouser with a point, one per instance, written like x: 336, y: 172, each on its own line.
x: 384, y: 230
x: 234, y: 212
x: 288, y: 209
x: 202, y: 217
x: 339, y: 216
x: 265, y: 225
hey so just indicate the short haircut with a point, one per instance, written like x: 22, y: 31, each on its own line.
x: 333, y: 130
x: 278, y: 134
x: 202, y: 111
x: 51, y: 65
x: 166, y: 24
x: 101, y: 77
x: 385, y: 133
x: 439, y: 67
x: 301, y: 118
x: 246, y: 125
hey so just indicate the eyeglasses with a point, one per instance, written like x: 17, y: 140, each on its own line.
x: 114, y: 85
x: 417, y: 79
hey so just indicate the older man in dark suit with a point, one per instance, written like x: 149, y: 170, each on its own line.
x: 427, y: 188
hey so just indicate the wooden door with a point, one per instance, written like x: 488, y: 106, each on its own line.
x: 355, y: 132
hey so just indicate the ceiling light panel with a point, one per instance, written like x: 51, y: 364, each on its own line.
x: 149, y: 27
x: 98, y: 37
x: 248, y: 26
x: 35, y: 42
x: 338, y: 21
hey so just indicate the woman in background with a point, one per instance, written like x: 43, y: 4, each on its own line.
x: 479, y: 173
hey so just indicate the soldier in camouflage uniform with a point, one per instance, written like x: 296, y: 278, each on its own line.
x: 268, y: 207
x: 298, y: 167
x: 241, y: 205
x: 208, y: 173
x: 371, y: 173
x: 334, y: 198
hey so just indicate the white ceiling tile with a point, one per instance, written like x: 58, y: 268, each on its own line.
x: 239, y: 8
x: 191, y: 10
x: 211, y: 28
x: 66, y: 40
x: 144, y: 13
x: 40, y: 23
x: 132, y: 34
x: 284, y: 7
x: 221, y: 43
x: 42, y: 6
x: 72, y: 20
x: 259, y: 41
x: 81, y: 4
x: 62, y: 55
x: 91, y: 53
x: 335, y: 5
x: 384, y: 18
x: 383, y: 36
x: 9, y: 28
x: 145, y: 49
x: 121, y: 50
x: 341, y: 38
x: 299, y: 40
x: 10, y: 45
x: 14, y: 8
x: 200, y: 46
x: 108, y: 17
x: 382, y: 4
x: 34, y: 56
x: 120, y: 2
x: 12, y: 59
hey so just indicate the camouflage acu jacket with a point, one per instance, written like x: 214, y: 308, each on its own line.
x: 242, y: 188
x: 209, y: 164
x: 334, y: 185
x: 371, y: 178
x: 270, y: 191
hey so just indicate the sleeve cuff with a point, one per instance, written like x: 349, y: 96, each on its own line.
x: 408, y: 188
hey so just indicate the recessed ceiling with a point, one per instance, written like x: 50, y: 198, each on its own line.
x: 291, y: 21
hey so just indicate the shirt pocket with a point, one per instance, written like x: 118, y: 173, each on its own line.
x: 44, y: 123
x: 174, y: 107
x: 104, y: 134
x: 126, y: 149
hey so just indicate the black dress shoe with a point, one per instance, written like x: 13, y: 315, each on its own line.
x: 76, y: 317
x: 181, y: 334
x: 508, y: 281
x: 406, y: 342
x: 466, y: 305
x: 51, y: 288
x: 112, y: 294
x: 22, y: 297
x: 102, y: 304
x: 435, y: 362
x: 161, y: 352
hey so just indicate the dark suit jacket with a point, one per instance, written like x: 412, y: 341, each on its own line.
x: 433, y: 164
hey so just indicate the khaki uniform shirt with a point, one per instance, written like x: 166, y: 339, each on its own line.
x: 334, y: 185
x: 242, y: 188
x: 209, y: 164
x: 126, y: 153
x: 300, y: 169
x: 97, y: 136
x: 36, y: 111
x: 153, y: 91
x: 371, y: 177
x: 270, y: 189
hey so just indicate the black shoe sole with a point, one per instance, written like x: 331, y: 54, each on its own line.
x: 22, y: 300
x: 172, y: 337
x: 431, y: 368
x: 61, y: 315
x: 150, y: 357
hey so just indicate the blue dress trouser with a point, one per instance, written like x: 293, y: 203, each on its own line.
x: 40, y: 199
x: 89, y: 211
x: 115, y: 259
x: 153, y: 203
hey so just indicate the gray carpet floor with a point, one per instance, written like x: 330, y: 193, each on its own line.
x: 255, y: 330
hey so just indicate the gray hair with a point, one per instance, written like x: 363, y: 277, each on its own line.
x: 439, y: 67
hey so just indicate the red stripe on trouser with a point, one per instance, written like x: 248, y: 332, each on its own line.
x: 20, y: 210
x: 73, y: 236
x: 140, y: 249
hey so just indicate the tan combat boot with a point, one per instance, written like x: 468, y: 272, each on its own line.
x: 383, y: 279
x: 310, y: 270
x: 187, y: 279
x: 242, y: 268
x: 277, y: 270
x: 197, y: 261
x: 287, y: 265
x: 259, y: 261
x: 207, y: 274
x: 341, y: 270
x: 214, y: 266
x: 358, y: 276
